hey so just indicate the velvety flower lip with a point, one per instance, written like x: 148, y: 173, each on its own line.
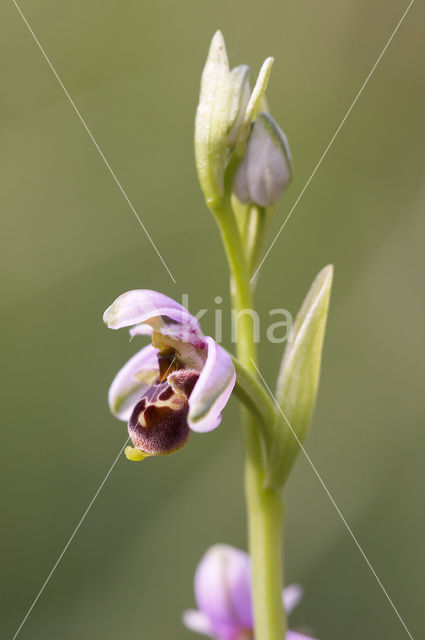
x: 180, y: 382
x: 224, y: 599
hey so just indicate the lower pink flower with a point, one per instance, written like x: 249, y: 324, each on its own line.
x: 223, y: 596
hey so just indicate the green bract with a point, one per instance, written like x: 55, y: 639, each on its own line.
x: 299, y: 377
x: 239, y: 98
x: 254, y: 104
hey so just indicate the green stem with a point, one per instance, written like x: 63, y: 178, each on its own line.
x: 259, y: 222
x: 253, y: 395
x: 264, y: 504
x: 266, y: 515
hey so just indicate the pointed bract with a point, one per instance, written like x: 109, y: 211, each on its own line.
x: 255, y: 103
x: 259, y: 91
x: 299, y: 377
x: 240, y: 91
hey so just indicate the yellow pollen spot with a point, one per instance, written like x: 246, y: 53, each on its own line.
x: 148, y: 377
x: 134, y: 454
x: 159, y: 341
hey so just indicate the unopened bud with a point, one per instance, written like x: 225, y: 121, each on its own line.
x: 266, y: 168
x: 212, y: 119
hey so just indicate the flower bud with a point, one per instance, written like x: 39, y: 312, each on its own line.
x: 266, y: 168
x: 225, y: 111
x: 212, y: 120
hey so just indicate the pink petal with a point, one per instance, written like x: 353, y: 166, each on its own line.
x: 141, y: 306
x: 126, y: 390
x: 223, y: 590
x: 212, y: 391
x: 141, y: 330
x: 198, y: 622
x: 291, y: 596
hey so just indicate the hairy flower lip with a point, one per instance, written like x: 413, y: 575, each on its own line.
x: 158, y: 424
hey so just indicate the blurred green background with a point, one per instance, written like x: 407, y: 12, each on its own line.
x: 70, y: 245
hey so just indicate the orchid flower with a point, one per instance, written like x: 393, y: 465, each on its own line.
x: 180, y: 382
x: 223, y: 596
